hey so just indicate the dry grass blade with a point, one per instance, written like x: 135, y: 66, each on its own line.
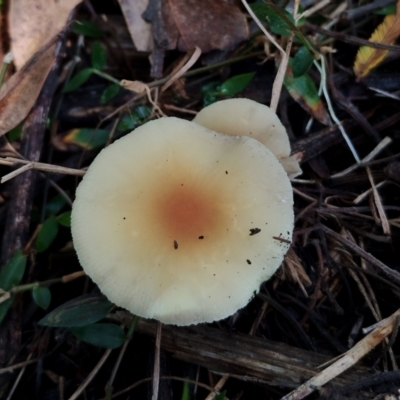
x: 379, y: 205
x: 94, y: 372
x: 156, y: 371
x: 36, y: 165
x: 390, y: 273
x: 261, y: 26
x: 193, y: 58
x: 218, y: 387
x: 362, y: 348
x: 280, y: 75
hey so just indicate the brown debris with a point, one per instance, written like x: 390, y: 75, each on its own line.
x: 186, y: 24
x: 19, y: 93
x: 27, y: 28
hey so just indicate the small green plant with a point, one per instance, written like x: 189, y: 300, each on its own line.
x: 98, y: 61
x: 81, y: 316
x: 214, y: 90
x: 11, y: 275
x: 91, y: 138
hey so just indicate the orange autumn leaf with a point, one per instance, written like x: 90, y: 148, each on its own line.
x: 368, y: 57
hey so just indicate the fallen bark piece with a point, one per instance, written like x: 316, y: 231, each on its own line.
x: 249, y: 357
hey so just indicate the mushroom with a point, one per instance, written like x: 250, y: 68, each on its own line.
x: 249, y: 118
x: 182, y: 224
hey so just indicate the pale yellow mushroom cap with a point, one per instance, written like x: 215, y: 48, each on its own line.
x: 176, y: 222
x: 245, y: 117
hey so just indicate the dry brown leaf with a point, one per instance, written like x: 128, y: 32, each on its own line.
x: 33, y: 22
x: 207, y: 24
x: 19, y: 93
x: 387, y: 32
x: 139, y: 29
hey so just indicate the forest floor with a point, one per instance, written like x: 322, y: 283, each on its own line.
x: 325, y: 325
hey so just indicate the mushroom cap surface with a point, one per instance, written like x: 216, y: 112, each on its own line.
x: 176, y: 222
x: 247, y: 117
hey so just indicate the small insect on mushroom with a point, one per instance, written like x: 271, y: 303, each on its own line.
x: 165, y: 180
x: 247, y: 117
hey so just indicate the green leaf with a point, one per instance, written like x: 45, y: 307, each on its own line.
x: 64, y: 219
x: 236, y: 84
x: 86, y: 28
x: 388, y: 10
x: 78, y: 80
x: 185, y: 392
x: 83, y: 310
x: 302, y: 61
x: 47, y: 234
x: 15, y: 133
x: 87, y: 138
x: 278, y: 25
x: 98, y: 56
x: 209, y: 99
x: 143, y: 112
x: 55, y: 204
x: 128, y: 122
x: 220, y: 396
x: 42, y: 296
x: 11, y: 274
x: 108, y: 336
x: 110, y: 92
x: 304, y: 91
x: 211, y: 87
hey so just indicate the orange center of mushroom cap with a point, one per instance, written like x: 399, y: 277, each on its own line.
x: 188, y: 213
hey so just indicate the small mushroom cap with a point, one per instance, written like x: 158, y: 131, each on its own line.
x: 245, y: 117
x: 176, y: 222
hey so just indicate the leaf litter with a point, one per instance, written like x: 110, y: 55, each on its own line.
x: 338, y: 282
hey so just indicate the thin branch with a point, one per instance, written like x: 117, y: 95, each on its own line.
x: 27, y: 165
x: 350, y: 358
x: 261, y: 26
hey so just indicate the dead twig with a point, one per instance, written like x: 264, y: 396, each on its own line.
x: 362, y: 348
x: 388, y: 272
x: 27, y: 165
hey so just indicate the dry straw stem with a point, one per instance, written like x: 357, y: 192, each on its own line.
x: 218, y: 386
x: 156, y: 371
x: 382, y: 215
x: 141, y: 88
x: 390, y: 273
x: 310, y: 11
x: 261, y: 26
x: 90, y: 377
x: 30, y: 286
x: 280, y: 76
x: 378, y: 149
x: 350, y: 358
x: 173, y: 378
x: 182, y: 68
x: 11, y: 161
x: 19, y: 377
